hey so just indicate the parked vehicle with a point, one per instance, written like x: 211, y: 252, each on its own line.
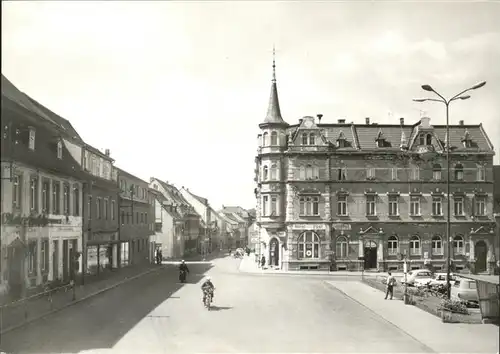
x: 464, y: 290
x: 423, y: 276
x: 437, y: 279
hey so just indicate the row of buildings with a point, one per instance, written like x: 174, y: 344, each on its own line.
x: 349, y: 196
x: 68, y: 212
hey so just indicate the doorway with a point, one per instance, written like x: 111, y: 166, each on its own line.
x: 15, y: 258
x: 370, y: 255
x: 274, y: 252
x: 480, y: 253
x: 55, y: 260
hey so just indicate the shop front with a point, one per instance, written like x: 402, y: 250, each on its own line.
x: 309, y: 247
x: 102, y: 253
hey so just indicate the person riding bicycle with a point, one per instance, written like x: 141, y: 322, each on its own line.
x: 183, y: 267
x: 207, y: 286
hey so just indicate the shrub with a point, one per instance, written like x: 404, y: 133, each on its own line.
x: 454, y: 306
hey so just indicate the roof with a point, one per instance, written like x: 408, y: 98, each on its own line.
x: 492, y: 279
x: 236, y: 209
x: 227, y: 219
x: 202, y: 200
x: 129, y: 175
x: 176, y: 197
x: 273, y: 110
x: 235, y: 217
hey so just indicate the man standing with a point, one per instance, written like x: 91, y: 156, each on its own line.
x: 391, y: 281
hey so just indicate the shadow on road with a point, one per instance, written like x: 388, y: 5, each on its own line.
x: 220, y: 308
x: 100, y: 322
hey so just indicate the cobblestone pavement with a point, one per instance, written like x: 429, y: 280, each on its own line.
x: 252, y: 314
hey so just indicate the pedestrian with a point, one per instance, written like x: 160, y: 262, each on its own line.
x: 391, y: 281
x: 263, y: 261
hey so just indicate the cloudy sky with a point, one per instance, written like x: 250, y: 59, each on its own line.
x: 176, y: 90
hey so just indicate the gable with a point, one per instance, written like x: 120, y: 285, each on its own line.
x: 425, y: 140
x: 308, y: 134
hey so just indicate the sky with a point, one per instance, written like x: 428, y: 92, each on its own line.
x: 176, y: 90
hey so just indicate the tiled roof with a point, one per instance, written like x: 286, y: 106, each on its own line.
x: 236, y: 209
x: 176, y: 197
x: 333, y: 132
x: 392, y: 134
x: 203, y: 201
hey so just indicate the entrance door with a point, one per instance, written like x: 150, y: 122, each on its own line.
x: 15, y: 270
x: 274, y: 252
x: 65, y: 260
x: 480, y: 253
x: 370, y: 255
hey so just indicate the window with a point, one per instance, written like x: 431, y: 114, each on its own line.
x: 309, y: 172
x: 89, y: 207
x: 428, y: 139
x: 308, y: 245
x: 105, y: 209
x: 342, y: 205
x: 458, y: 206
x: 112, y: 212
x: 302, y: 172
x: 98, y: 208
x: 371, y: 205
x: 265, y: 138
x: 308, y: 206
x: 392, y: 245
x: 273, y: 172
x: 34, y: 194
x: 341, y: 143
x: 56, y: 198
x: 436, y: 172
x: 415, y: 246
x: 394, y: 173
x: 437, y: 245
x: 304, y: 139
x: 342, y: 174
x: 16, y: 192
x: 415, y: 172
x: 415, y: 205
x: 122, y: 217
x: 264, y: 173
x: 32, y: 139
x: 274, y: 205
x: 265, y: 199
x: 458, y: 245
x: 45, y: 197
x: 422, y: 139
x: 44, y: 255
x: 312, y: 139
x: 480, y: 206
x: 437, y: 207
x: 32, y: 257
x: 66, y: 199
x: 370, y: 172
x: 393, y: 205
x: 274, y: 139
x: 459, y: 172
x: 59, y: 150
x: 342, y: 248
x: 76, y: 201
x: 481, y: 173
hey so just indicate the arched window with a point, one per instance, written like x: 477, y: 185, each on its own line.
x: 265, y: 138
x: 304, y: 139
x: 264, y: 173
x: 274, y: 139
x: 315, y: 172
x: 312, y: 140
x: 273, y: 172
x: 341, y: 248
x: 308, y: 245
x: 437, y: 245
x: 422, y: 139
x: 458, y: 245
x: 436, y: 172
x: 415, y: 248
x: 459, y: 172
x: 429, y: 139
x: 392, y: 245
x: 309, y: 172
x: 481, y: 173
x: 302, y: 172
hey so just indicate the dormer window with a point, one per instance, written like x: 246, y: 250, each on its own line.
x: 380, y: 139
x: 428, y: 139
x: 466, y: 140
x: 459, y: 172
x: 341, y: 142
x: 304, y: 139
x: 32, y: 139
x: 308, y: 139
x: 274, y: 138
x: 59, y: 150
x: 422, y: 139
x: 311, y: 139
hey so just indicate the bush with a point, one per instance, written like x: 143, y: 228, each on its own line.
x: 454, y: 306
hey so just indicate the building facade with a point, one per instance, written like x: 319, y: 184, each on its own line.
x: 137, y: 218
x: 41, y: 190
x: 370, y: 196
x: 496, y: 207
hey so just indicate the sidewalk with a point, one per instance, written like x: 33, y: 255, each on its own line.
x: 248, y: 265
x: 19, y: 313
x: 424, y: 327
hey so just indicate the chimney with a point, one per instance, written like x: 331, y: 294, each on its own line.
x: 106, y: 152
x: 341, y: 121
x: 460, y: 122
x: 367, y: 120
x: 402, y: 121
x: 319, y: 117
x: 300, y: 120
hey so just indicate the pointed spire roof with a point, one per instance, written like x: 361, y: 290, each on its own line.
x: 273, y: 110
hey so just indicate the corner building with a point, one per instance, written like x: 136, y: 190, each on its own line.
x: 348, y: 196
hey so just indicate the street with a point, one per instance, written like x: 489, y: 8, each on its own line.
x: 252, y: 313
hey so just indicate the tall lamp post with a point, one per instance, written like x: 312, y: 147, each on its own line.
x: 447, y: 102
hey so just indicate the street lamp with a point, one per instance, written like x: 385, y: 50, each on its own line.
x: 447, y: 102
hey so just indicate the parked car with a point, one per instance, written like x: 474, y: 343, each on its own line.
x: 423, y: 275
x: 464, y: 290
x: 437, y: 279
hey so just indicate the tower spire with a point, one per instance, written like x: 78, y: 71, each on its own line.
x: 273, y: 110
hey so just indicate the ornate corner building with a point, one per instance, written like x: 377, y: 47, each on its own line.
x: 348, y: 196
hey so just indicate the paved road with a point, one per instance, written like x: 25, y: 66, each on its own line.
x: 253, y: 314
